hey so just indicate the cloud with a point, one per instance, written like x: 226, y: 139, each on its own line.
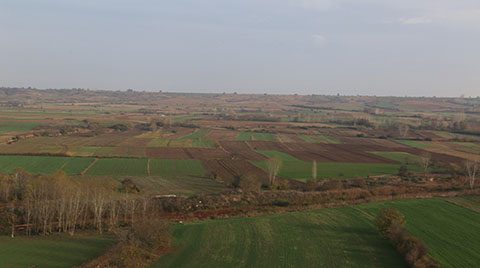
x: 418, y: 20
x: 319, y: 40
x: 317, y: 4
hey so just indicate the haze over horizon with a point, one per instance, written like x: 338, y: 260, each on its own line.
x: 366, y: 47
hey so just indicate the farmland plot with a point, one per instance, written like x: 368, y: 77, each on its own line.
x: 326, y: 238
x: 449, y: 231
x: 44, y: 164
x: 170, y: 167
x: 51, y: 252
x: 119, y: 167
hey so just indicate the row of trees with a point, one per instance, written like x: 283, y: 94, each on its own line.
x: 57, y: 203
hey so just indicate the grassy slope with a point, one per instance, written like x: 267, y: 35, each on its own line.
x: 415, y: 144
x: 449, y: 231
x: 44, y: 164
x: 50, y: 252
x: 327, y: 238
x: 401, y: 157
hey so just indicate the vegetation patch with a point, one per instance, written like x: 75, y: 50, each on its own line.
x: 449, y: 231
x: 51, y: 252
x: 119, y: 167
x: 44, y: 164
x: 415, y: 144
x: 248, y: 136
x: 170, y: 167
x: 6, y: 127
x: 309, y: 239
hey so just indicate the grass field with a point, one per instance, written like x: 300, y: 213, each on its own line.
x: 6, y: 127
x: 51, y: 252
x: 449, y: 231
x: 415, y: 144
x: 196, y: 135
x: 169, y: 167
x: 247, y: 136
x: 471, y: 145
x: 119, y: 167
x: 293, y: 168
x: 44, y: 164
x: 327, y: 238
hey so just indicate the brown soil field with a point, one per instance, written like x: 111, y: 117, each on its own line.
x: 135, y: 142
x: 266, y: 145
x: 240, y: 149
x: 227, y: 169
x: 130, y: 152
x: 167, y: 153
x: 206, y: 153
x: 339, y: 155
x: 289, y: 138
x: 221, y: 135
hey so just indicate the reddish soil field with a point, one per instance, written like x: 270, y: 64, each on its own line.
x: 339, y: 155
x: 240, y: 149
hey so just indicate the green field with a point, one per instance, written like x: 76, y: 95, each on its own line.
x: 413, y: 143
x: 318, y: 139
x: 471, y: 145
x: 44, y: 164
x: 52, y: 251
x: 401, y: 157
x: 449, y: 231
x: 247, y: 136
x: 119, y: 167
x: 6, y: 127
x: 293, y: 168
x: 340, y: 237
x: 169, y: 167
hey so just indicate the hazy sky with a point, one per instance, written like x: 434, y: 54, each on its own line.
x: 382, y: 47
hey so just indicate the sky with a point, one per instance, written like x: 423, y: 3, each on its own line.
x: 349, y: 47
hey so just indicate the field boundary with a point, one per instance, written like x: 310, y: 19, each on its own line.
x: 89, y: 166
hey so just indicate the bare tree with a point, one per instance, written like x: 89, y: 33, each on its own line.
x: 273, y: 166
x: 425, y: 161
x: 403, y: 129
x: 471, y: 168
x: 314, y: 170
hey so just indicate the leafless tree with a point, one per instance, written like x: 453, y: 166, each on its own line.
x: 425, y: 161
x: 403, y: 129
x: 471, y: 168
x: 314, y: 170
x: 273, y: 166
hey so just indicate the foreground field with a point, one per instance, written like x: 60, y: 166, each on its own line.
x: 327, y: 238
x: 449, y: 231
x: 51, y: 252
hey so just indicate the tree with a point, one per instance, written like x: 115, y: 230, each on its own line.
x: 471, y: 168
x: 387, y: 218
x: 273, y: 166
x: 314, y: 170
x: 425, y: 160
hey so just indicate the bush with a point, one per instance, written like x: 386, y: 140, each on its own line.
x: 388, y: 217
